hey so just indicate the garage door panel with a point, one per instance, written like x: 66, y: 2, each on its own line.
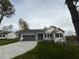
x: 28, y: 37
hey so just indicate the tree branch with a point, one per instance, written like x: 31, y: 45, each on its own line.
x: 2, y: 15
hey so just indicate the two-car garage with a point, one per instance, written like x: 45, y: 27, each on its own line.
x: 29, y: 37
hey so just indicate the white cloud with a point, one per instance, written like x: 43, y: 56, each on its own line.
x: 41, y: 13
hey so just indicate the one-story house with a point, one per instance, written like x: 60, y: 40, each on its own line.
x: 51, y: 33
x: 7, y: 35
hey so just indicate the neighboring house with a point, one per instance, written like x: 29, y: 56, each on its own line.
x: 11, y: 35
x: 7, y: 34
x: 51, y: 33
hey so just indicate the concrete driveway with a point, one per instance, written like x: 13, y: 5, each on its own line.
x: 11, y: 50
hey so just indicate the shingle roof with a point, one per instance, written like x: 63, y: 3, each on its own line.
x: 61, y: 30
x: 32, y: 31
x: 37, y: 30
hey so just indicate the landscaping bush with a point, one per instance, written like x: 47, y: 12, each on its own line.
x: 71, y: 40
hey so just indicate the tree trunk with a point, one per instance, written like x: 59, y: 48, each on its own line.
x: 74, y: 15
x: 1, y: 18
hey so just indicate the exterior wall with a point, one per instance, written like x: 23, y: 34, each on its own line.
x: 59, y: 39
x: 50, y: 31
x: 11, y: 36
x: 48, y: 38
x: 53, y: 36
x: 56, y: 39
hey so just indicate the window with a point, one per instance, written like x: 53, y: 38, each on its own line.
x: 45, y: 35
x: 61, y: 35
x: 0, y: 35
x: 50, y: 35
x: 57, y: 35
x: 3, y: 35
x: 40, y: 36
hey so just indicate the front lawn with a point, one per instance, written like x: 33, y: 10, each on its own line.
x: 47, y: 50
x: 7, y: 41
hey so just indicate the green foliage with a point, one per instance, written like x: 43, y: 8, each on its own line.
x: 72, y: 1
x: 70, y: 37
x: 7, y: 28
x: 6, y: 9
x: 72, y: 40
x: 23, y: 25
x: 47, y: 50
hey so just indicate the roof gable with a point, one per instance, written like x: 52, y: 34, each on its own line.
x: 50, y: 29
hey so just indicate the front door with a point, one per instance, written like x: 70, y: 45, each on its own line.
x: 40, y: 36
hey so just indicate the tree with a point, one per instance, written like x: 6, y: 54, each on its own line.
x: 10, y: 27
x: 4, y: 28
x: 72, y: 6
x: 6, y: 9
x: 45, y: 28
x: 23, y: 26
x: 7, y: 28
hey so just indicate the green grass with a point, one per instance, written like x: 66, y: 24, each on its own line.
x: 7, y: 41
x: 46, y: 50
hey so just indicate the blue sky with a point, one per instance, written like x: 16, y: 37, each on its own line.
x: 41, y: 13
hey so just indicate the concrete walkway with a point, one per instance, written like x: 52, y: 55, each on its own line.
x: 15, y: 49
